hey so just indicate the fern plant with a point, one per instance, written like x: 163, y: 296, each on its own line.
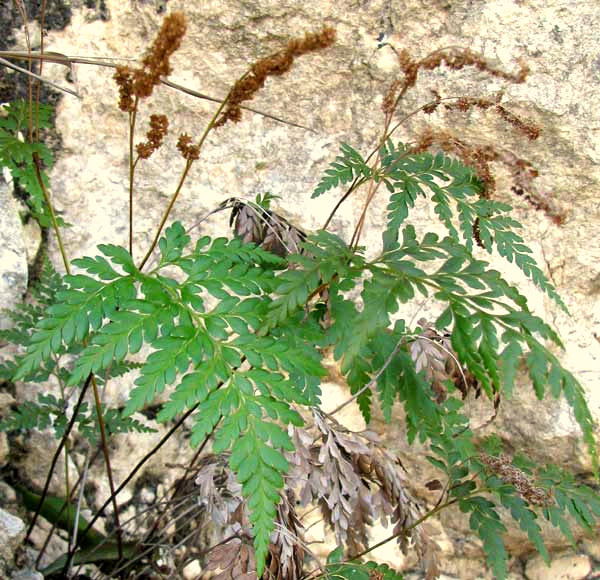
x: 50, y: 410
x: 18, y: 155
x: 237, y: 329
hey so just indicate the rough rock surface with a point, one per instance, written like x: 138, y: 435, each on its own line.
x: 563, y: 567
x: 13, y: 254
x: 338, y: 95
x: 12, y: 531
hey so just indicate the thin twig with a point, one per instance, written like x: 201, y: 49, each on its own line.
x: 373, y: 381
x: 68, y: 61
x: 30, y: 74
x: 57, y: 455
x: 104, y: 441
x: 138, y: 466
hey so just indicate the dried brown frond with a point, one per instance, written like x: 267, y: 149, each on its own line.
x: 159, y: 124
x: 477, y: 157
x: 477, y: 234
x: 326, y: 475
x: 274, y: 65
x: 390, y: 98
x: 433, y: 105
x: 432, y: 353
x: 220, y: 494
x: 455, y: 59
x: 263, y: 227
x: 458, y: 58
x: 286, y: 554
x: 188, y: 151
x: 166, y: 43
x: 538, y: 202
x: 531, y: 131
x: 225, y: 510
x: 389, y: 474
x: 523, y: 175
x: 124, y: 78
x: 463, y: 104
x: 410, y: 68
x: 233, y: 560
x: 523, y: 483
x: 480, y: 159
x: 356, y: 482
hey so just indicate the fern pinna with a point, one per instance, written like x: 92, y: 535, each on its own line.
x: 237, y: 334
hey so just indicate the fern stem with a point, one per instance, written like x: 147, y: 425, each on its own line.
x: 188, y: 165
x: 186, y: 169
x: 108, y: 467
x: 55, y: 226
x: 57, y: 455
x: 354, y: 186
x: 132, y: 116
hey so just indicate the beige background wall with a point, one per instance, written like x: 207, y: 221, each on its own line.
x: 337, y: 94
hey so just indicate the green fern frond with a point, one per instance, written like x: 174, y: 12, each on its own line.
x: 409, y: 175
x: 346, y: 167
x: 360, y: 571
x: 17, y: 155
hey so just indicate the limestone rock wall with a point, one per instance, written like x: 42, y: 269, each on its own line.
x: 337, y: 95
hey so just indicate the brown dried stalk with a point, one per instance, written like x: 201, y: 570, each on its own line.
x: 524, y: 484
x: 273, y: 65
x: 159, y: 125
x: 480, y: 158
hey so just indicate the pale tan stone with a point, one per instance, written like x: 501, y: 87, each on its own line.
x: 192, y: 571
x: 567, y: 567
x: 32, y: 235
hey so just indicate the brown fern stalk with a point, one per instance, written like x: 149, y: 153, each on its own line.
x: 230, y: 109
x: 136, y: 84
x: 454, y: 58
x: 524, y: 484
x: 276, y: 64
